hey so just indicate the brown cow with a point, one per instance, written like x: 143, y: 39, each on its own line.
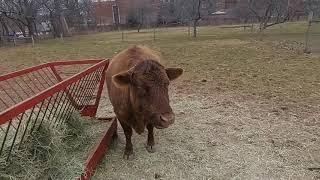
x: 138, y: 90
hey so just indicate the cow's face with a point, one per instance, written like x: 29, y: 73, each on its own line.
x: 148, y: 85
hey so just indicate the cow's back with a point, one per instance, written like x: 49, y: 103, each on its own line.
x: 123, y: 61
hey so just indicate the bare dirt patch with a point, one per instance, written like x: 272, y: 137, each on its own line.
x: 223, y: 136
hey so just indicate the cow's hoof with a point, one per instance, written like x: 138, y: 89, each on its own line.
x: 150, y: 149
x: 128, y: 154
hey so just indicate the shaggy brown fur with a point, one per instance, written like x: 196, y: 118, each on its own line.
x: 138, y: 90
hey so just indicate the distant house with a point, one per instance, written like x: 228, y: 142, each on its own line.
x: 168, y: 14
x: 107, y: 12
x: 220, y: 13
x: 116, y: 12
x: 229, y: 11
x: 226, y: 4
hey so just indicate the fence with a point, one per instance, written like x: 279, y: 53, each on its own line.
x: 50, y: 93
x: 14, y: 40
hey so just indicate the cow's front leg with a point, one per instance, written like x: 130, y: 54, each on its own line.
x: 129, y: 148
x: 150, y: 143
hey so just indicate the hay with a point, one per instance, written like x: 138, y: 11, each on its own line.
x: 53, y: 153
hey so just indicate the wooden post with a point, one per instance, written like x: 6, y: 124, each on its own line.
x: 122, y: 35
x: 14, y: 41
x: 189, y: 34
x: 307, y: 44
x: 32, y: 39
x: 252, y: 25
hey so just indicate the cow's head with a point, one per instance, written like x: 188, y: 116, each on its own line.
x: 148, y: 84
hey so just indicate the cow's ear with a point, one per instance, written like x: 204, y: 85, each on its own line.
x: 174, y: 73
x: 121, y: 80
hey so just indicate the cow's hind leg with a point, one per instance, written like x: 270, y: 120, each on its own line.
x: 115, y: 134
x: 150, y: 143
x: 128, y: 133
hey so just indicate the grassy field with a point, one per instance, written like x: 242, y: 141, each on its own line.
x: 233, y: 58
x: 243, y: 105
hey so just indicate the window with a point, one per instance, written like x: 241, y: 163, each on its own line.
x: 230, y: 4
x: 102, y: 0
x: 168, y: 1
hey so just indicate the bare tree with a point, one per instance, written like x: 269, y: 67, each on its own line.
x: 55, y: 11
x: 314, y: 6
x: 3, y: 29
x: 271, y: 12
x: 86, y: 12
x: 196, y: 15
x: 28, y: 15
x: 77, y: 12
x: 140, y: 14
x: 3, y: 26
x: 22, y: 12
x: 169, y: 12
x: 242, y: 11
x: 190, y: 11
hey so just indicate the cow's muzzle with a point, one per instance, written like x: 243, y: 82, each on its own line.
x: 164, y: 120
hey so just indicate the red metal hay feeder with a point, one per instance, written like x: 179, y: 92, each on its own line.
x: 52, y: 92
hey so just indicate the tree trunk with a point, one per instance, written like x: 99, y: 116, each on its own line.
x: 35, y: 28
x: 189, y: 33
x: 5, y: 31
x: 64, y: 26
x: 262, y: 26
x: 53, y: 23
x: 54, y: 28
x: 61, y: 25
x: 195, y: 23
x: 1, y: 38
x: 139, y: 27
x: 30, y: 27
x: 261, y: 30
x: 5, y: 27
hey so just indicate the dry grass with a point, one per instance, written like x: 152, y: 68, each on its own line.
x: 247, y: 109
x: 53, y: 153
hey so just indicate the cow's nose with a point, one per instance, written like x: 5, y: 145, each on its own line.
x: 167, y: 119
